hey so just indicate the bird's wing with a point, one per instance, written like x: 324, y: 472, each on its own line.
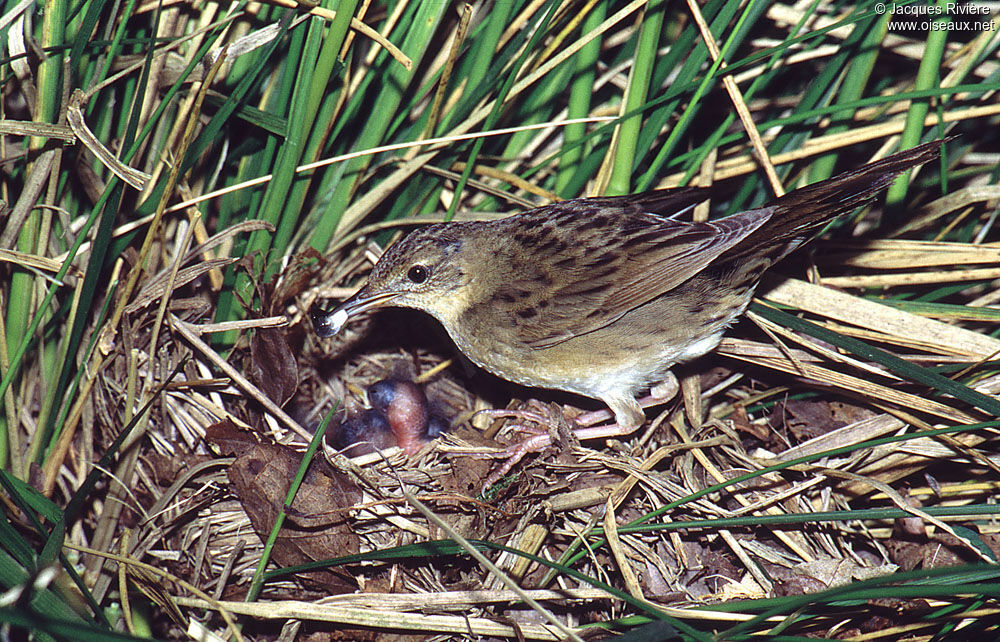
x: 609, y: 256
x: 627, y: 251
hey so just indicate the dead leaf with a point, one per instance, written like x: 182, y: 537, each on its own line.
x: 273, y: 366
x: 318, y: 525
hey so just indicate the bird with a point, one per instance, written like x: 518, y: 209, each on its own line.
x: 602, y: 296
x: 405, y: 405
x: 400, y: 415
x: 362, y: 433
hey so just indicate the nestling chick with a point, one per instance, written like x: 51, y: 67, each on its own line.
x: 405, y: 405
x: 400, y: 416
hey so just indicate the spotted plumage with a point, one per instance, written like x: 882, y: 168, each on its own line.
x: 601, y: 296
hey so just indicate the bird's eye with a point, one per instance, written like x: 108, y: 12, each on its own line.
x: 418, y: 274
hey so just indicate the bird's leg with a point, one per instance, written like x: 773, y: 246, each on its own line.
x: 551, y: 427
x: 666, y: 389
x: 629, y: 417
x: 626, y: 409
x: 659, y: 394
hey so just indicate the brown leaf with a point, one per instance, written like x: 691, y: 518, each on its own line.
x: 467, y: 473
x: 273, y: 367
x: 848, y: 413
x: 318, y: 524
x: 808, y: 419
x: 741, y: 421
x: 228, y: 439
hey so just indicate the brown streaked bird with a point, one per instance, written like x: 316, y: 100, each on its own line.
x: 601, y: 296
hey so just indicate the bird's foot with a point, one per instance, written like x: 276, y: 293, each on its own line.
x: 545, y: 425
x: 550, y: 424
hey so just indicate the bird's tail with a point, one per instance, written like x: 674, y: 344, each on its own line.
x: 797, y: 214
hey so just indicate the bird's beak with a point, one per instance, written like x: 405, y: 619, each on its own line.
x: 329, y: 323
